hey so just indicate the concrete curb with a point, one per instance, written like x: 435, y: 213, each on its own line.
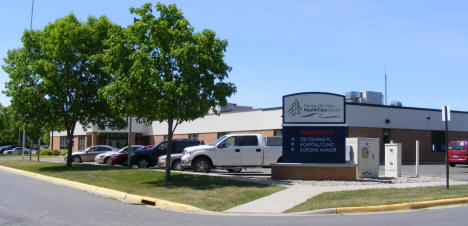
x: 106, y: 192
x: 402, y: 206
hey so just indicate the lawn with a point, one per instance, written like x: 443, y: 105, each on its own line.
x: 373, y: 197
x: 205, y: 192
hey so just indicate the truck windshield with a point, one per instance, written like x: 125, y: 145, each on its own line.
x: 460, y: 145
x: 218, y: 140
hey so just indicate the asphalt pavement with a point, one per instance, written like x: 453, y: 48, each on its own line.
x: 27, y: 201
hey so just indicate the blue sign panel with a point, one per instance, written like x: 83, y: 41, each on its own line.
x: 313, y: 144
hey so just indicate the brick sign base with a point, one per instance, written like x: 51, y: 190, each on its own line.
x: 301, y: 171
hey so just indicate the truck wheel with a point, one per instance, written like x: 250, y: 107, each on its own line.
x: 452, y: 164
x: 201, y: 165
x: 177, y: 165
x: 234, y: 170
x: 143, y: 163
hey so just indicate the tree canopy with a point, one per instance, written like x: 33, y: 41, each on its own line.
x: 55, y: 76
x: 164, y: 70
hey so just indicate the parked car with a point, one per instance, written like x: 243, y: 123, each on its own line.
x: 176, y: 164
x: 121, y: 157
x: 457, y: 153
x: 89, y: 153
x: 7, y: 147
x: 234, y: 152
x: 17, y: 151
x: 148, y: 157
x: 104, y: 157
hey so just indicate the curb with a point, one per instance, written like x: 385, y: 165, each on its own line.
x: 402, y: 206
x: 106, y: 192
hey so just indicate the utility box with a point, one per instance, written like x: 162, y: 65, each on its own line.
x: 364, y: 152
x: 393, y: 160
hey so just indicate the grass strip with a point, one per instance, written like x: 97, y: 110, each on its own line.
x: 374, y: 197
x: 205, y: 192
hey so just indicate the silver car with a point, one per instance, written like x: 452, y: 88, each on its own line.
x: 175, y: 162
x: 17, y: 151
x: 104, y: 157
x: 89, y: 153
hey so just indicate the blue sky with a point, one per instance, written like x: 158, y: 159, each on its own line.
x: 282, y: 47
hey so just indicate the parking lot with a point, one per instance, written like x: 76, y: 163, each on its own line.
x: 459, y: 173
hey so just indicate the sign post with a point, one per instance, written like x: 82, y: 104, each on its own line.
x: 446, y: 119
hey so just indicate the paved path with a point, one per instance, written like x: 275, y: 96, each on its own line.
x: 299, y: 193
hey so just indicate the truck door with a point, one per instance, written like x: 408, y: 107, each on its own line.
x: 227, y: 153
x: 251, y: 152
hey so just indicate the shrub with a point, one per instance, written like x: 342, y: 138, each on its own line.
x: 56, y: 152
x: 46, y: 152
x: 63, y: 152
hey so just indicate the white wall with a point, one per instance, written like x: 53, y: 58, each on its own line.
x: 259, y: 119
x: 357, y: 115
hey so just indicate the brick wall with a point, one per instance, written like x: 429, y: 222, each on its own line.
x: 407, y: 138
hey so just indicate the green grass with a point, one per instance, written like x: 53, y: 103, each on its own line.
x: 210, y: 193
x: 373, y: 197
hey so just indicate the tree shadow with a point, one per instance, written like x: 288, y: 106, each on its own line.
x: 77, y: 167
x: 200, y: 182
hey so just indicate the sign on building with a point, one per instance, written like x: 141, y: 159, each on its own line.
x: 313, y: 128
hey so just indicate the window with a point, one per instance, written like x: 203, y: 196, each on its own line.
x: 437, y: 141
x: 118, y: 140
x: 460, y: 145
x: 229, y: 142
x: 193, y: 136
x: 81, y: 142
x: 278, y: 132
x: 220, y: 134
x: 248, y: 141
x: 63, y: 143
x: 138, y: 139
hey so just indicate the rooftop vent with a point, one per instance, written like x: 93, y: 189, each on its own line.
x: 364, y: 97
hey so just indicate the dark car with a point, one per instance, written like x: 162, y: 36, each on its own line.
x: 121, y: 157
x: 148, y: 157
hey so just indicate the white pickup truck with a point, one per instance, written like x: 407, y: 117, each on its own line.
x: 234, y: 152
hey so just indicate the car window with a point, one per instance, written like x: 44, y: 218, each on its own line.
x: 248, y: 141
x: 461, y: 145
x: 229, y: 142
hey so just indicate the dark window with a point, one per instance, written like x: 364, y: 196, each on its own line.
x: 460, y: 145
x: 278, y: 132
x: 386, y: 135
x: 63, y: 142
x: 247, y: 141
x: 437, y: 141
x: 81, y: 142
x: 117, y: 140
x: 138, y: 139
x: 220, y: 134
x: 146, y: 140
x: 193, y: 136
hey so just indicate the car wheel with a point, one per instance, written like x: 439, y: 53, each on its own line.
x: 177, y: 165
x: 234, y: 170
x: 201, y: 165
x: 107, y: 161
x: 143, y: 163
x: 452, y: 164
x: 76, y: 159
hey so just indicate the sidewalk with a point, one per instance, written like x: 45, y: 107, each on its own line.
x: 299, y: 193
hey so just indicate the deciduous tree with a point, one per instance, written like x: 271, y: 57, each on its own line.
x: 55, y: 76
x: 165, y: 71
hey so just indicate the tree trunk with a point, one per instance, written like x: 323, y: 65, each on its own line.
x: 70, y: 132
x: 170, y: 123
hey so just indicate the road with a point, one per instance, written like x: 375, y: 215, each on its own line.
x: 27, y: 201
